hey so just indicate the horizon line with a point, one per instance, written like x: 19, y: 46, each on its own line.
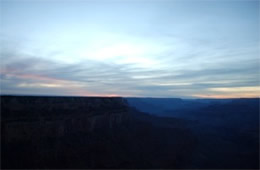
x: 117, y: 96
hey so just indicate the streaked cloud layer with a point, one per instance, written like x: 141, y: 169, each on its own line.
x: 130, y: 48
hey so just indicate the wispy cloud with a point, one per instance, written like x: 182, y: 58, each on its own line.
x: 156, y: 49
x: 28, y: 74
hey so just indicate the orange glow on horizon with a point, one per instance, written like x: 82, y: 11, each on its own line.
x: 50, y: 82
x: 69, y: 87
x: 225, y: 96
x: 27, y: 76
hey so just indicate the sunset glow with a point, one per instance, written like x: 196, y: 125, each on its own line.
x: 204, y: 49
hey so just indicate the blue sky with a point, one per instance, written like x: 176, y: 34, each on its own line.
x: 149, y: 48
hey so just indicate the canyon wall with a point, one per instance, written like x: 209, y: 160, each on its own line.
x: 26, y: 118
x: 88, y: 133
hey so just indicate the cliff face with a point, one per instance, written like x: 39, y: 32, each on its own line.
x: 26, y: 118
x: 88, y: 133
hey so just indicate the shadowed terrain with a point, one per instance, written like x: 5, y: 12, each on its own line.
x: 227, y: 130
x: 114, y: 132
x: 89, y: 132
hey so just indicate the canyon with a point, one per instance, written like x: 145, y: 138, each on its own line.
x: 88, y: 132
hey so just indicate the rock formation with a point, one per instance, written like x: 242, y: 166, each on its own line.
x: 87, y: 132
x: 24, y: 118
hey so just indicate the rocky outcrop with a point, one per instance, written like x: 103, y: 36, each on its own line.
x: 88, y: 133
x: 26, y: 118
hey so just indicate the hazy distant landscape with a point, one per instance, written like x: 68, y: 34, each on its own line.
x: 103, y: 132
x: 227, y: 129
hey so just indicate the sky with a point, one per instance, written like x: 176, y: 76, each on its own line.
x: 130, y: 48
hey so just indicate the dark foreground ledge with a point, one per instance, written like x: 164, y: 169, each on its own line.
x: 86, y: 132
x: 28, y: 107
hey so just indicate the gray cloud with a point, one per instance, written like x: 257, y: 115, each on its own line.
x: 20, y: 70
